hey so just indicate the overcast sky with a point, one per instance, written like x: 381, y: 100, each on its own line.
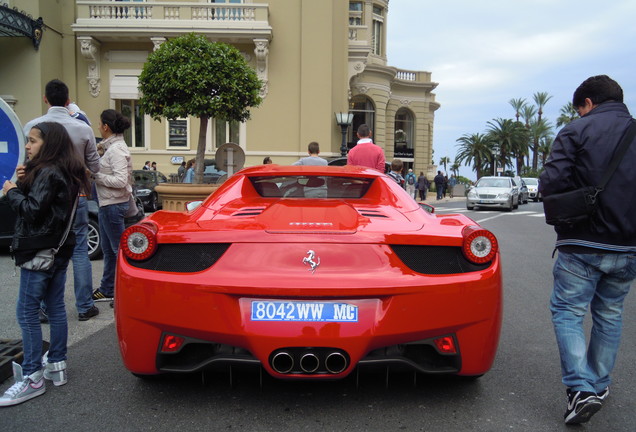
x: 485, y: 53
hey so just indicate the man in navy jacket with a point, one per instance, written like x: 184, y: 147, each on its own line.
x: 596, y: 261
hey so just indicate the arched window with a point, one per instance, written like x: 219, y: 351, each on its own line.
x: 404, y: 134
x: 363, y: 113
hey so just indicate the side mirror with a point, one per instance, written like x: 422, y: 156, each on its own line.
x: 427, y: 208
x: 193, y: 205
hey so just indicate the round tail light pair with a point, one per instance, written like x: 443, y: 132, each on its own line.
x: 480, y: 245
x: 139, y: 242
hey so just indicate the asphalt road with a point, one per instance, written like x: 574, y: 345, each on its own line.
x: 522, y: 392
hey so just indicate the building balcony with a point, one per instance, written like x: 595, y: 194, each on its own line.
x: 129, y: 21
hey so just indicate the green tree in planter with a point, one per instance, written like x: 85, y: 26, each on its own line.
x: 191, y: 76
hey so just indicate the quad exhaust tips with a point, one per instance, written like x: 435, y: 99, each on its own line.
x: 309, y: 361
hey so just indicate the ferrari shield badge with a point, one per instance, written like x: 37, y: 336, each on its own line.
x: 312, y: 261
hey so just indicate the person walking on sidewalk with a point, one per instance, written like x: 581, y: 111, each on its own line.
x: 43, y: 200
x: 410, y: 182
x: 366, y: 153
x: 422, y: 186
x: 596, y: 262
x: 439, y: 185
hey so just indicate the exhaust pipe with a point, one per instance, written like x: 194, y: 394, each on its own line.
x: 335, y: 362
x: 309, y: 363
x: 282, y: 362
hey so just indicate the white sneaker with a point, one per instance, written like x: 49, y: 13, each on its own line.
x: 55, y: 372
x: 25, y: 388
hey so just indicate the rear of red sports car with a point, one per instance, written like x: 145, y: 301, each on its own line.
x: 308, y: 272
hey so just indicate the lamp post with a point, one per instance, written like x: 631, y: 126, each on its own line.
x: 344, y: 120
x: 495, y: 153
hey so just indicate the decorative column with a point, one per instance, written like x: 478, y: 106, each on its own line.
x: 262, y: 53
x: 90, y: 51
x: 157, y: 41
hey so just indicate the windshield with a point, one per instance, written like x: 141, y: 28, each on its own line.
x: 531, y: 181
x: 494, y: 182
x: 308, y: 186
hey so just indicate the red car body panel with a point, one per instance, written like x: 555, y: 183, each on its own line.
x: 269, y: 239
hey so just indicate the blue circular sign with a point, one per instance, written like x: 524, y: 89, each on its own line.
x: 11, y: 143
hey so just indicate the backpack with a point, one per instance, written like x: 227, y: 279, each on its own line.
x: 410, y: 179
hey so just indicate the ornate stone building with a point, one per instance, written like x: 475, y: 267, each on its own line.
x: 315, y: 58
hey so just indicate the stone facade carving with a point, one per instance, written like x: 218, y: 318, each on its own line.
x: 89, y: 48
x: 157, y: 41
x: 261, y: 51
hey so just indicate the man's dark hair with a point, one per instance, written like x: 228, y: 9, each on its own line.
x: 364, y: 131
x: 598, y: 89
x: 396, y: 165
x: 56, y: 93
x: 313, y: 147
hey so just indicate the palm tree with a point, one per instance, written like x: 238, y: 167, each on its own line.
x: 568, y: 113
x: 541, y: 99
x: 517, y: 105
x: 539, y: 130
x: 455, y: 168
x: 545, y: 145
x: 444, y: 161
x: 510, y: 137
x: 475, y: 151
x: 528, y: 113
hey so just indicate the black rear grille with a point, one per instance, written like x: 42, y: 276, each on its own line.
x: 436, y: 259
x: 372, y: 213
x: 183, y: 258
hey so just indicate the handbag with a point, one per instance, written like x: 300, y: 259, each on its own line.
x: 44, y: 258
x: 132, y: 207
x: 572, y: 207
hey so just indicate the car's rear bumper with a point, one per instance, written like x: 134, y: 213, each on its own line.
x: 397, y: 321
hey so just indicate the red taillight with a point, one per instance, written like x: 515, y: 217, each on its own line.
x: 446, y: 345
x: 171, y: 343
x: 139, y: 242
x: 480, y: 245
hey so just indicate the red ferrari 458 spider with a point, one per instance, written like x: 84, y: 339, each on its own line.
x: 309, y: 273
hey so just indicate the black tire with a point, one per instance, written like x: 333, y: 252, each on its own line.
x: 94, y: 240
x: 470, y: 207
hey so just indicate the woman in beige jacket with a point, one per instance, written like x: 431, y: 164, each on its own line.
x: 113, y: 183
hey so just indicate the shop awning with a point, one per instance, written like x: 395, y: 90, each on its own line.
x: 16, y: 23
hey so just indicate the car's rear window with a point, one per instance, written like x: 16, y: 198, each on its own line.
x: 311, y: 186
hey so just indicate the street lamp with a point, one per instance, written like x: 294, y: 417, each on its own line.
x: 495, y: 153
x: 344, y: 120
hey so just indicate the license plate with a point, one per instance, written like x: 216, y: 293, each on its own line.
x: 303, y: 311
x: 485, y: 202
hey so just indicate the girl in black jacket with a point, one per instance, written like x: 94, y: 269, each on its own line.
x: 43, y: 200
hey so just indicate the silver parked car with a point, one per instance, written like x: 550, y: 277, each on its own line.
x: 533, y: 188
x: 493, y: 192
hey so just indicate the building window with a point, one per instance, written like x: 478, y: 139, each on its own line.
x: 403, y: 134
x: 363, y: 113
x: 377, y: 35
x: 225, y: 132
x: 355, y: 13
x: 178, y: 133
x: 134, y: 136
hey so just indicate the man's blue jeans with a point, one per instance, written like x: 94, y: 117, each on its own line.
x: 600, y: 281
x: 48, y: 287
x: 111, y: 227
x: 82, y: 268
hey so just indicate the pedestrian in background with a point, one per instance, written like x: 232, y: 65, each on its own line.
x: 439, y: 185
x: 181, y: 171
x: 452, y: 182
x: 56, y: 95
x: 146, y: 166
x: 267, y: 160
x: 153, y: 166
x: 366, y: 153
x: 113, y: 184
x: 313, y: 159
x: 422, y: 186
x: 396, y: 170
x: 410, y: 182
x: 189, y: 175
x: 43, y: 201
x: 596, y: 262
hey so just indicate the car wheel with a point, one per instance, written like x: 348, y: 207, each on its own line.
x: 514, y: 206
x: 94, y: 240
x: 153, y: 203
x: 469, y: 207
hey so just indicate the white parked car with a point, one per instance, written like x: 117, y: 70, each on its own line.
x: 533, y: 188
x: 493, y: 192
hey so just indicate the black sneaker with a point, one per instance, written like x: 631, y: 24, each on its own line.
x: 604, y: 394
x: 100, y: 296
x: 581, y: 406
x: 85, y: 316
x: 44, y: 318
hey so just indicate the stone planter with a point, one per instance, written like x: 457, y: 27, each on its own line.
x: 175, y: 195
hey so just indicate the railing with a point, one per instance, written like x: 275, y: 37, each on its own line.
x: 413, y: 76
x: 94, y: 10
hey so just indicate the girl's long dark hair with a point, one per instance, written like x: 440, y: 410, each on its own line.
x: 115, y: 121
x: 57, y: 150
